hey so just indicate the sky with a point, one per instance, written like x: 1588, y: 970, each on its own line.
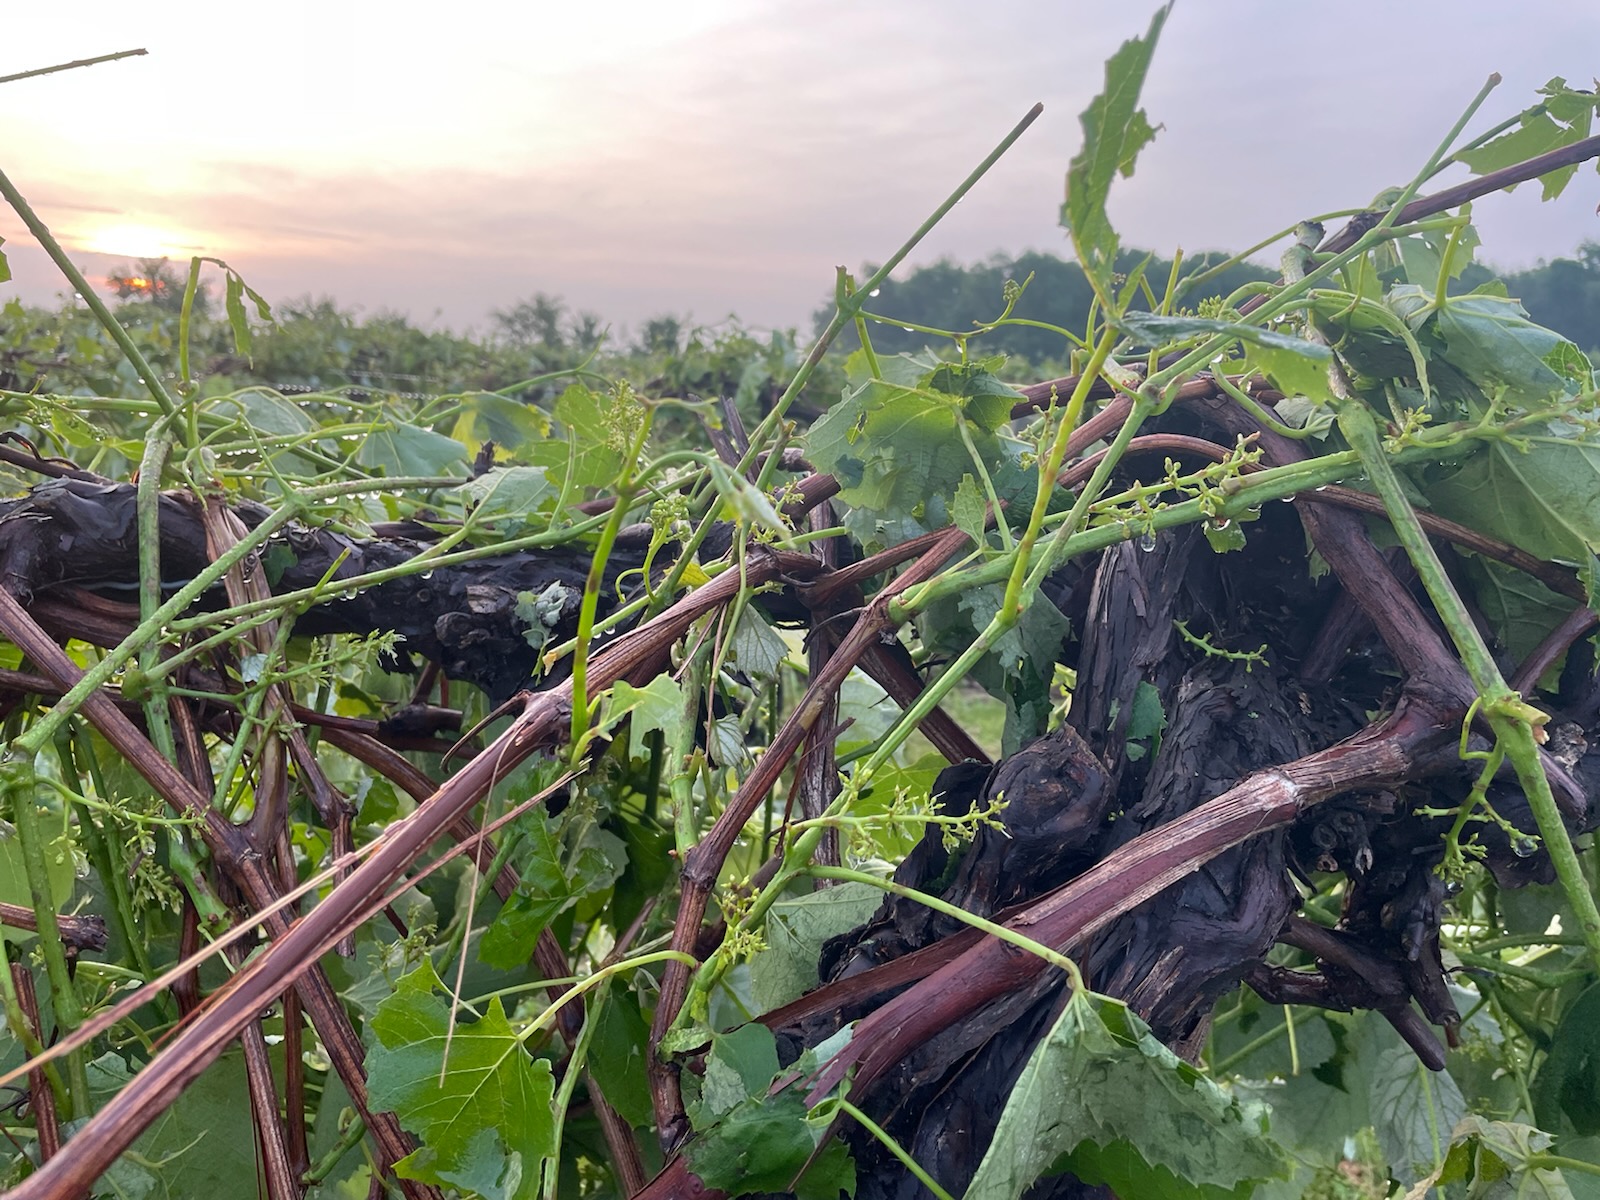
x: 713, y: 157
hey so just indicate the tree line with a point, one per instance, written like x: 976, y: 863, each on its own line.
x: 315, y: 343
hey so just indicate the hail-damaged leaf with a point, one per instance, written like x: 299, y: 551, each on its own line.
x: 750, y: 504
x: 551, y: 879
x: 1413, y: 1110
x: 1496, y: 1159
x: 235, y: 289
x: 1566, y: 1092
x: 1423, y: 255
x: 739, y: 1066
x: 594, y: 460
x: 897, y: 451
x: 490, y: 417
x: 1146, y: 720
x: 1103, y: 1098
x: 751, y: 1140
x: 1224, y: 535
x: 970, y: 510
x: 1298, y: 367
x: 1115, y: 129
x: 1564, y: 116
x: 395, y: 448
x: 506, y: 492
x: 796, y: 928
x: 657, y: 705
x: 988, y: 399
x: 483, y: 1115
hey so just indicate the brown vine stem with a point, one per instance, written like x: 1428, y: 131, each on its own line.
x: 229, y: 847
x: 1133, y: 874
x: 41, y: 1098
x: 295, y: 949
x: 549, y: 958
x: 705, y: 861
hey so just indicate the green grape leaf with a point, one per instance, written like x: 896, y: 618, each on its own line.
x: 551, y: 880
x: 1100, y: 1077
x: 507, y: 492
x: 1541, y: 493
x: 618, y: 1056
x: 752, y: 1140
x: 1496, y: 1160
x: 5, y: 265
x: 1566, y: 1092
x: 1490, y: 339
x: 657, y: 705
x: 1520, y: 609
x: 897, y: 451
x: 396, y: 448
x: 490, y: 417
x: 796, y: 928
x: 594, y: 457
x: 759, y: 1146
x: 483, y: 1115
x: 970, y: 510
x: 1115, y: 129
x: 14, y: 879
x: 1413, y: 1110
x: 267, y: 414
x: 204, y: 1145
x: 757, y: 647
x: 725, y: 742
x: 1563, y: 117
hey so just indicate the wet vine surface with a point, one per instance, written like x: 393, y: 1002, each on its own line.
x: 462, y: 795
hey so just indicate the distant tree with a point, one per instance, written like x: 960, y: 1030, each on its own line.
x: 1564, y: 294
x: 158, y: 282
x: 588, y: 332
x: 661, y: 335
x: 536, y: 322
